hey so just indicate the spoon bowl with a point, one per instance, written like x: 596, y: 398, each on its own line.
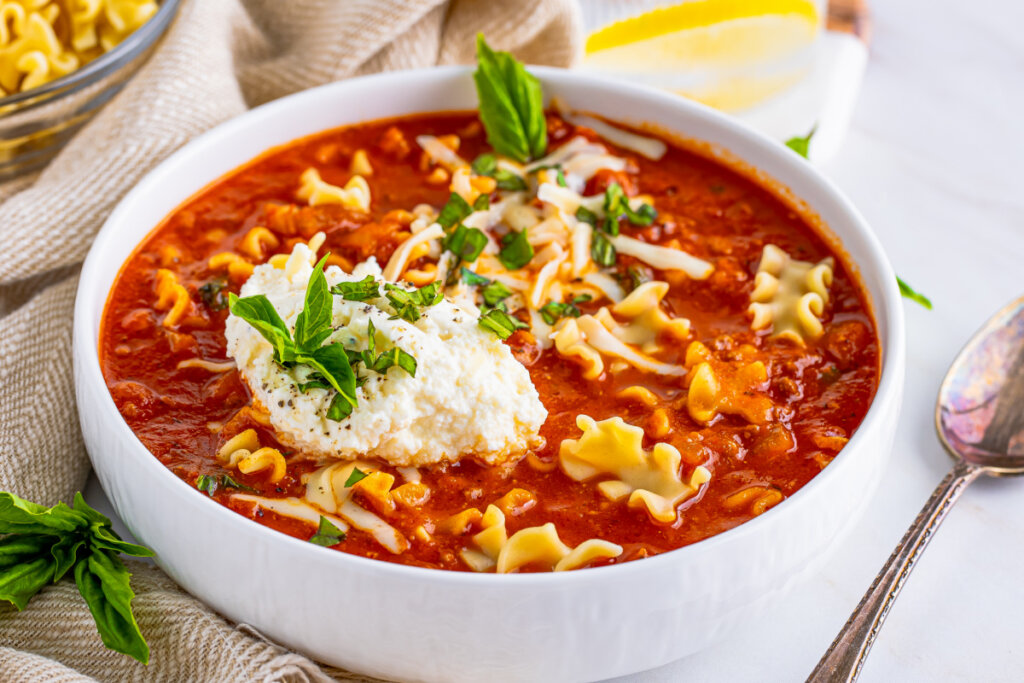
x: 979, y: 415
x: 980, y: 422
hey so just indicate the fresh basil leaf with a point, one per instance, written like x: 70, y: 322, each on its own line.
x: 466, y: 243
x: 364, y: 289
x: 341, y: 407
x: 313, y: 324
x: 65, y: 554
x: 485, y: 164
x: 454, y: 212
x: 554, y: 310
x: 472, y: 279
x: 332, y: 364
x: 327, y: 534
x: 908, y: 292
x: 357, y: 476
x: 107, y: 539
x: 511, y: 104
x: 18, y: 515
x: 500, y: 323
x: 482, y: 203
x: 317, y: 384
x: 801, y: 145
x: 260, y: 313
x: 212, y: 294
x: 19, y: 548
x: 494, y: 293
x: 601, y: 250
x: 19, y: 582
x: 103, y: 581
x: 516, y: 251
x: 560, y: 176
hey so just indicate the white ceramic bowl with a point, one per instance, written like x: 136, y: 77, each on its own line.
x: 409, y: 623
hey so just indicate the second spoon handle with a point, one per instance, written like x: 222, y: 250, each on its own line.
x: 844, y: 658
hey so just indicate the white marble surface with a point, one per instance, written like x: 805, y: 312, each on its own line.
x: 933, y: 160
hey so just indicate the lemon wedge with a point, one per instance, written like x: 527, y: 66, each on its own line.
x: 727, y: 53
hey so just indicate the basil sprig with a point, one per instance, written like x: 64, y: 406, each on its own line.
x: 42, y: 545
x: 313, y: 326
x: 511, y: 104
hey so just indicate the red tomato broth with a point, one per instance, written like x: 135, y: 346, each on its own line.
x: 714, y: 213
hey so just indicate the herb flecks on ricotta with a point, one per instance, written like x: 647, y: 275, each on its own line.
x: 469, y: 396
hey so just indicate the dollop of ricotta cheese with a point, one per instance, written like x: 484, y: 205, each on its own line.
x: 469, y: 396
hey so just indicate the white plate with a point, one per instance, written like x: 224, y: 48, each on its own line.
x: 410, y: 623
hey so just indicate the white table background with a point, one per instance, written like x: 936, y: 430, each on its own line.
x: 935, y: 161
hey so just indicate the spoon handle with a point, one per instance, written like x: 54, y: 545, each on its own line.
x: 843, y: 661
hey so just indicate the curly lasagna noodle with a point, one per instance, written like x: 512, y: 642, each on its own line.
x: 412, y: 341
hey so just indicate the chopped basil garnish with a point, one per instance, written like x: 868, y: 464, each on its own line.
x: 227, y: 482
x: 601, y: 250
x: 560, y: 176
x: 616, y: 205
x: 212, y: 294
x: 516, y: 250
x: 327, y: 534
x: 357, y: 476
x: 330, y: 363
x: 482, y: 203
x: 466, y: 243
x: 511, y: 104
x: 586, y: 216
x: 908, y: 292
x: 408, y: 304
x: 487, y: 164
x: 207, y: 484
x: 364, y: 289
x: 500, y: 323
x: 471, y: 278
x: 454, y: 212
x: 554, y: 310
x: 494, y: 293
x: 635, y: 276
x: 802, y: 145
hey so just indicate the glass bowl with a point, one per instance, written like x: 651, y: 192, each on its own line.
x: 35, y: 124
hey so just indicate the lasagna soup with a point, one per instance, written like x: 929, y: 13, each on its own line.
x: 427, y: 341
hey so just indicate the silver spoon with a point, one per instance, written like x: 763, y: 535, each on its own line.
x: 979, y: 416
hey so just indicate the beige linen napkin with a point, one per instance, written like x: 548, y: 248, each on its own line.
x: 220, y: 58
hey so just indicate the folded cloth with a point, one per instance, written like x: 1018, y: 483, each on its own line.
x: 220, y: 58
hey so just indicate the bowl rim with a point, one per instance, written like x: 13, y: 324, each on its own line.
x: 892, y: 344
x: 135, y: 44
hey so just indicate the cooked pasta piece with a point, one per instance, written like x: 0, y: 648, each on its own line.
x: 171, y: 295
x: 536, y: 546
x: 650, y: 479
x: 735, y: 388
x: 789, y: 295
x: 316, y: 191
